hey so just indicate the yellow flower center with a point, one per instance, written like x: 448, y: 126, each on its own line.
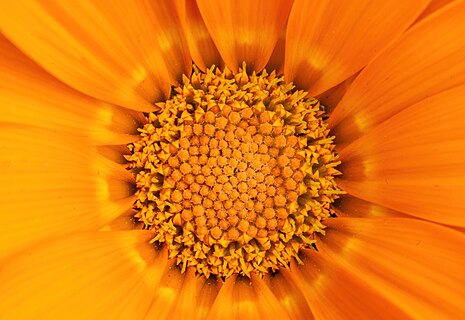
x: 235, y: 173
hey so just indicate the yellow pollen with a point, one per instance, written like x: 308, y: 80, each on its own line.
x: 235, y: 173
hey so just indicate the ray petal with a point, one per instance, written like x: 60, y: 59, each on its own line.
x: 415, y: 265
x: 245, y: 30
x: 244, y: 298
x: 329, y: 41
x: 414, y: 162
x: 289, y: 296
x: 201, y: 45
x: 330, y: 98
x: 52, y: 186
x: 333, y: 292
x: 182, y: 295
x: 353, y: 207
x: 124, y: 52
x: 31, y: 96
x: 433, y: 6
x: 426, y: 60
x: 100, y: 275
x: 276, y: 61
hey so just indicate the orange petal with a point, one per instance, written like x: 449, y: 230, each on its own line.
x: 427, y: 59
x: 335, y: 292
x: 244, y: 298
x: 433, y: 6
x: 101, y: 275
x: 207, y: 295
x: 330, y: 98
x: 51, y: 186
x: 31, y: 96
x: 125, y: 53
x: 459, y: 229
x: 245, y: 30
x: 414, y: 162
x: 289, y: 296
x: 177, y: 296
x: 328, y: 41
x: 415, y: 265
x: 115, y: 153
x: 201, y: 46
x: 276, y: 61
x: 353, y: 207
x: 125, y: 221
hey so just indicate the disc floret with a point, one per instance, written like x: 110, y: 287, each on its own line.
x: 235, y: 173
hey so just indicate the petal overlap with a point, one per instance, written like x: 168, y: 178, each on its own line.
x: 125, y: 53
x: 245, y: 30
x: 329, y: 41
x: 414, y: 162
x: 106, y: 275
x: 428, y: 59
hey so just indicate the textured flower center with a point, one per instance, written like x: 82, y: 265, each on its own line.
x: 235, y: 173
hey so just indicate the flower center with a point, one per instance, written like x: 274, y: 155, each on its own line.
x: 235, y: 173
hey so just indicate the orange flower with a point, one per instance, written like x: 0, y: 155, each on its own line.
x: 75, y: 76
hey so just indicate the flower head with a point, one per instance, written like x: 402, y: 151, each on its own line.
x: 232, y: 159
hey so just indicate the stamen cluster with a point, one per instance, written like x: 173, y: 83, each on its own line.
x: 234, y: 173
